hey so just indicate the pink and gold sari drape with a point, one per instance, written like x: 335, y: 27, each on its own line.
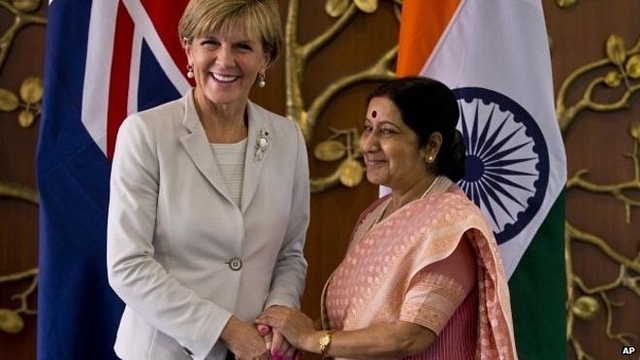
x: 371, y: 284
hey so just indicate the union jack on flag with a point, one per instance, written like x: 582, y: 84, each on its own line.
x: 147, y: 63
x: 104, y: 60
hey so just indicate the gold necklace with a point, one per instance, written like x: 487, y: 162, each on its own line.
x: 433, y: 184
x: 425, y: 193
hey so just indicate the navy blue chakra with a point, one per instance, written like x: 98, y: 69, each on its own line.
x: 507, y: 162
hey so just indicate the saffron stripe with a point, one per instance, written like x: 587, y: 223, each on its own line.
x: 422, y: 25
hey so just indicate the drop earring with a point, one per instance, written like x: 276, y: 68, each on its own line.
x: 190, y: 71
x: 261, y: 80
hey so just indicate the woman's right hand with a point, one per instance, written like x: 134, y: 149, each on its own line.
x: 243, y: 340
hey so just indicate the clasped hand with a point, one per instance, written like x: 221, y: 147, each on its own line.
x: 280, y: 334
x: 279, y: 348
x: 291, y: 330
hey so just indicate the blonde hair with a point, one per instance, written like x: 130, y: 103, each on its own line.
x: 256, y: 17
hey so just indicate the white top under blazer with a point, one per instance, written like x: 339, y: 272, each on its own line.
x: 180, y: 253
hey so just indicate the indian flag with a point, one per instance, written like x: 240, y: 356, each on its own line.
x: 494, y: 54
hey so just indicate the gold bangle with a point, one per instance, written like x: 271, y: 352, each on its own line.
x: 325, y: 342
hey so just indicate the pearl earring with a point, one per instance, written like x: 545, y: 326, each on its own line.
x: 190, y: 74
x: 430, y: 159
x: 261, y: 80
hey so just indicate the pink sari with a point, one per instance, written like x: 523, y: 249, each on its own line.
x: 373, y: 284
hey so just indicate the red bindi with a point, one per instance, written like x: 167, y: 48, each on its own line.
x: 374, y: 114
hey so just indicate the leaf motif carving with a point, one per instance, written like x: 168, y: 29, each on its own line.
x: 26, y: 118
x: 565, y: 3
x: 586, y: 307
x: 31, y: 90
x: 612, y: 79
x: 8, y: 100
x: 633, y: 67
x: 330, y: 150
x: 10, y: 321
x: 351, y: 173
x: 616, y: 49
x: 26, y: 6
x: 635, y: 130
x: 368, y: 6
x: 335, y: 8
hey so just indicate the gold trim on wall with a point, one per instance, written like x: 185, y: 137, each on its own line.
x: 10, y: 319
x: 349, y: 172
x: 27, y: 103
x: 619, y: 73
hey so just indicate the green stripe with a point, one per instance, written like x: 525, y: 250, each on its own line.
x: 538, y: 291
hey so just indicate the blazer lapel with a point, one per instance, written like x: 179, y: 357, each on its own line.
x: 197, y: 146
x: 259, y: 146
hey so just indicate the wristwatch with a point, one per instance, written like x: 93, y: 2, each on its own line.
x: 325, y: 342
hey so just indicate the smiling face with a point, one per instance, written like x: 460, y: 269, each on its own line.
x: 390, y: 148
x: 225, y: 66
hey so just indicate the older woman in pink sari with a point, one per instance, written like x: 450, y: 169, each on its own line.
x: 422, y: 277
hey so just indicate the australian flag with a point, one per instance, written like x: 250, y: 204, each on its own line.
x: 104, y: 60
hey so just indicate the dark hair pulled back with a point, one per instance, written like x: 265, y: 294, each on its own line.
x: 427, y: 106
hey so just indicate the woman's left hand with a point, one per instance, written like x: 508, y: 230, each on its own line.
x: 295, y: 326
x: 281, y: 349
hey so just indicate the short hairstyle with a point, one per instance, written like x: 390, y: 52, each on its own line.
x: 427, y: 106
x: 256, y: 17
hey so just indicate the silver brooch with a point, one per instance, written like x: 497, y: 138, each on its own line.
x: 261, y: 145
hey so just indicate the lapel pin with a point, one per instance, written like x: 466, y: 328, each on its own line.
x: 262, y: 143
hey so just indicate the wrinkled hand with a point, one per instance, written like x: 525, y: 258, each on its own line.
x: 244, y: 341
x: 278, y: 346
x: 293, y: 324
x: 281, y: 349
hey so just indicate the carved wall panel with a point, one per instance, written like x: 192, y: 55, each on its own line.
x: 596, y: 56
x: 22, y: 29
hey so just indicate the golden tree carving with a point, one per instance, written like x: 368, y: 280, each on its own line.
x: 350, y: 171
x: 621, y: 69
x: 27, y: 101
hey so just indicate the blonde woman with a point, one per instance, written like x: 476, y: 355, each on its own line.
x: 209, y: 199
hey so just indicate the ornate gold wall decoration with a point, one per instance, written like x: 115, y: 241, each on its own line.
x: 11, y: 319
x: 350, y: 171
x: 30, y: 93
x: 18, y: 191
x: 623, y: 67
x: 21, y: 11
x: 27, y: 102
x: 566, y: 3
x: 619, y: 74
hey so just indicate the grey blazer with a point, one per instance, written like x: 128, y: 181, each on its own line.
x: 182, y: 255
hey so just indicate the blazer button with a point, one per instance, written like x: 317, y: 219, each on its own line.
x: 187, y: 351
x: 235, y: 263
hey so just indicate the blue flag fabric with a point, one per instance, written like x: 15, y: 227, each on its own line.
x: 90, y: 85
